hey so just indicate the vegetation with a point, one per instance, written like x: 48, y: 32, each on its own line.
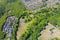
x: 36, y: 25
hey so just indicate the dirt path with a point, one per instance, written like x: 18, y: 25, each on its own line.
x: 21, y: 29
x: 47, y: 34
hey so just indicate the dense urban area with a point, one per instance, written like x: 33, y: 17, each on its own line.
x: 29, y: 19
